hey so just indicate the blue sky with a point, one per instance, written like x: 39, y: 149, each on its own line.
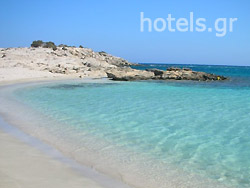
x: 114, y: 26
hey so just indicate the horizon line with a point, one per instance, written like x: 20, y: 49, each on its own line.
x: 196, y: 64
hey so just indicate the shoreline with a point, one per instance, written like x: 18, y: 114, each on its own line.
x: 87, y: 176
x: 83, y: 175
x: 117, y: 173
x: 53, y: 78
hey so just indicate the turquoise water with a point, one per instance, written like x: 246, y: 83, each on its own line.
x: 203, y: 128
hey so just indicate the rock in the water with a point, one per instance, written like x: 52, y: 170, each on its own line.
x: 156, y: 74
x: 129, y: 74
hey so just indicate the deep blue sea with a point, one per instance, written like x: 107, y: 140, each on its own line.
x: 201, y: 128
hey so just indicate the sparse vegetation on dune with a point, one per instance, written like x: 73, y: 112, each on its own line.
x: 40, y: 43
x: 37, y: 43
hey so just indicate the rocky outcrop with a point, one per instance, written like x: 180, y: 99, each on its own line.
x: 81, y: 62
x: 156, y: 74
x: 84, y: 62
x: 129, y: 74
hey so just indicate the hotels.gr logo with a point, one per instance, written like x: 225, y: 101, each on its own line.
x: 171, y: 24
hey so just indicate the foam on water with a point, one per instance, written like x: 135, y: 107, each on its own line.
x: 197, y: 128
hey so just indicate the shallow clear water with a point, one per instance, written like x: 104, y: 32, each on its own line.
x: 203, y: 128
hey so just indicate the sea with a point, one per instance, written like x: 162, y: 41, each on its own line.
x: 152, y: 133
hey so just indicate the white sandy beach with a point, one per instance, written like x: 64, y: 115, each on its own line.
x: 22, y: 165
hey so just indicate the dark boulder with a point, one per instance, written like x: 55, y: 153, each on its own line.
x: 157, y: 72
x: 173, y: 69
x: 187, y: 69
